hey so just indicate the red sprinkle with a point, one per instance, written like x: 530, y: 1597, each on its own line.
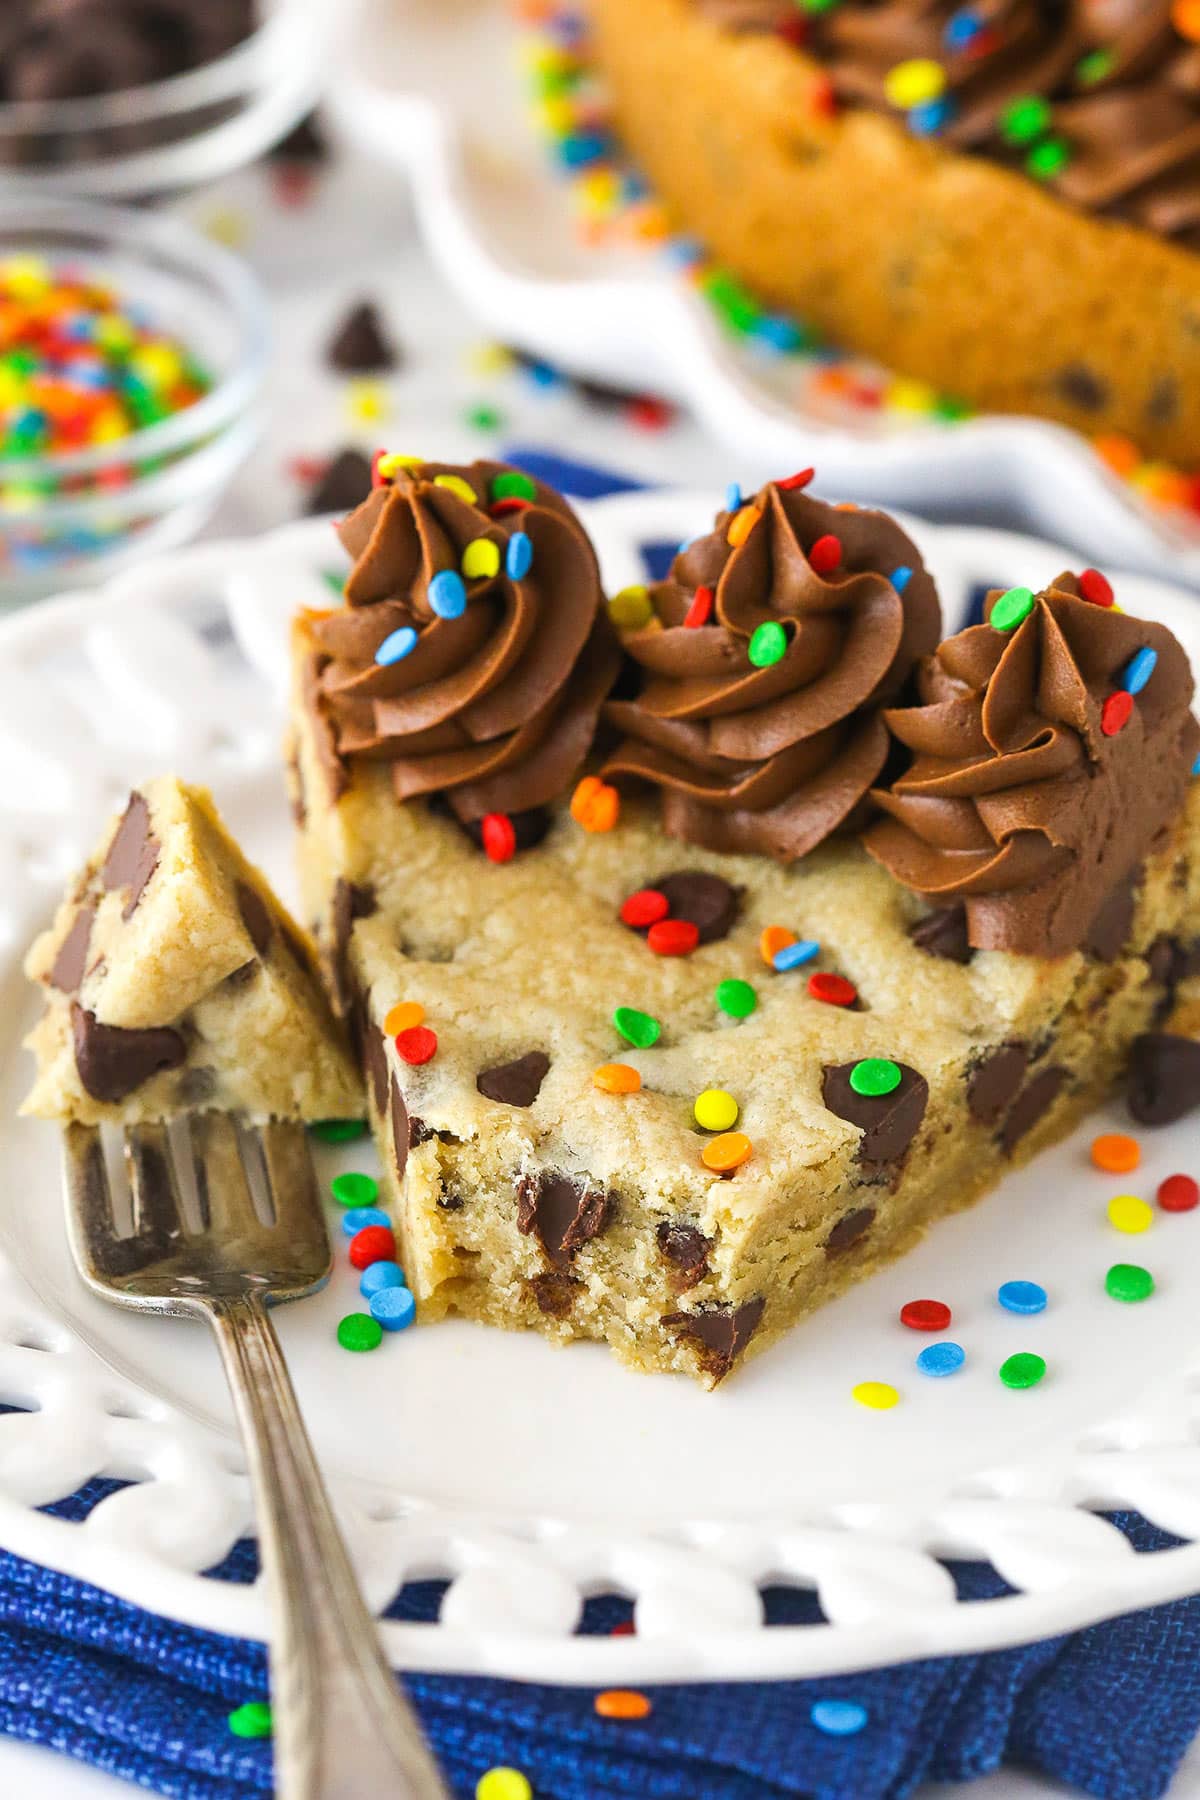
x: 624, y: 1629
x: 378, y: 480
x: 1178, y: 1193
x: 793, y: 31
x: 835, y: 990
x: 650, y: 413
x: 1096, y: 587
x: 499, y: 838
x: 673, y: 937
x: 800, y: 479
x: 700, y: 611
x: 511, y: 503
x: 1114, y: 714
x: 374, y: 1243
x: 822, y: 97
x: 925, y: 1315
x: 646, y: 907
x: 417, y: 1045
x: 826, y: 554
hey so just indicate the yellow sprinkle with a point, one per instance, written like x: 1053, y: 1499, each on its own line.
x: 598, y: 191
x: 1128, y: 1213
x: 555, y: 115
x: 458, y: 486
x: 630, y: 609
x: 489, y: 359
x: 503, y: 1783
x: 480, y: 559
x: 715, y: 1110
x: 226, y: 227
x: 158, y: 365
x: 25, y: 277
x: 403, y: 1017
x: 393, y: 462
x: 907, y: 395
x: 878, y: 1395
x: 742, y: 524
x: 914, y: 83
x: 366, y: 401
x: 113, y: 333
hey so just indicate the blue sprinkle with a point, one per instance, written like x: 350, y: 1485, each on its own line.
x: 396, y: 646
x: 579, y: 148
x: 357, y: 1218
x: 1022, y: 1297
x: 927, y: 120
x: 1138, y: 670
x: 960, y: 29
x: 733, y: 497
x: 543, y: 374
x: 394, y: 1308
x: 381, y: 1275
x: 1196, y: 766
x: 901, y: 577
x: 793, y: 955
x: 941, y: 1359
x: 684, y: 252
x: 778, y: 334
x: 447, y: 594
x: 838, y: 1718
x: 518, y: 558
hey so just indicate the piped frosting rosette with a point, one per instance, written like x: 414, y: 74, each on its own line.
x: 764, y: 661
x: 473, y: 652
x: 1052, y: 748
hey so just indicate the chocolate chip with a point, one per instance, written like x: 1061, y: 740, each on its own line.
x: 296, y: 789
x: 1078, y: 384
x: 1162, y: 406
x: 563, y: 1214
x: 401, y: 1130
x: 133, y: 854
x: 889, y: 1122
x: 195, y: 1086
x: 350, y: 902
x: 554, y: 1294
x: 686, y: 1248
x: 708, y: 901
x: 720, y: 1333
x: 256, y: 916
x: 450, y: 1202
x: 344, y: 485
x: 529, y: 827
x: 515, y: 1083
x: 243, y: 974
x: 360, y: 346
x: 944, y: 933
x: 375, y: 1064
x: 1109, y: 930
x: 114, y: 1061
x: 66, y: 971
x: 1171, y: 962
x: 1164, y: 1077
x: 1035, y: 1099
x: 994, y: 1082
x: 849, y: 1229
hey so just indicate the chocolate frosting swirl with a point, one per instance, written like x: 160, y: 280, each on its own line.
x: 1018, y: 802
x: 1122, y: 83
x: 774, y: 759
x: 496, y: 708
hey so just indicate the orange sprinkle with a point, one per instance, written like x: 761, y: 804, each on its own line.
x: 742, y: 524
x: 622, y: 1703
x: 595, y: 805
x: 727, y: 1152
x: 312, y: 615
x: 773, y: 939
x: 1120, y: 453
x: 1185, y: 17
x: 1116, y: 1153
x: 616, y: 1078
x: 403, y: 1016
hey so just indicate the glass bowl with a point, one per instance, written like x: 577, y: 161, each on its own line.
x: 77, y: 515
x: 179, y: 132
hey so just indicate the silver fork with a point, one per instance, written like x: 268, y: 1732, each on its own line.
x: 342, y: 1728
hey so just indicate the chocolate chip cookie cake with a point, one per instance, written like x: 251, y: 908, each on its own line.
x: 175, y: 981
x: 1000, y: 197
x: 703, y: 945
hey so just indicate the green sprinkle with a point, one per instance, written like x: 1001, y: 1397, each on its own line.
x: 336, y: 581
x: 338, y: 1131
x: 950, y: 408
x: 1023, y: 1370
x: 353, y: 1189
x: 1048, y: 159
x: 734, y: 304
x: 875, y: 1076
x: 768, y: 644
x: 637, y: 1028
x: 252, y: 1720
x: 513, y: 485
x: 485, y: 418
x: 1128, y: 1281
x: 359, y: 1331
x: 1025, y: 119
x: 1011, y: 609
x: 1094, y: 67
x: 737, y: 998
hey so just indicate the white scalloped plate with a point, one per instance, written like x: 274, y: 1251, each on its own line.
x: 430, y: 87
x: 529, y: 1476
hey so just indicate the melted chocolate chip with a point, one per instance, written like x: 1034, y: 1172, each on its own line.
x: 375, y: 1064
x: 113, y: 1061
x: 1078, y: 384
x: 889, y: 1122
x: 1162, y: 405
x: 944, y: 933
x: 554, y: 1294
x: 1036, y: 1098
x: 401, y: 1130
x: 359, y: 346
x: 1164, y: 1077
x: 994, y: 1082
x: 196, y: 1086
x: 450, y: 1202
x: 720, y: 1333
x: 529, y: 827
x: 67, y: 969
x: 296, y: 790
x: 256, y: 916
x: 344, y: 485
x: 349, y: 903
x: 1171, y: 962
x: 133, y: 854
x: 242, y: 975
x: 709, y: 902
x: 686, y: 1248
x: 850, y: 1228
x: 562, y: 1214
x: 1109, y: 931
x: 515, y: 1083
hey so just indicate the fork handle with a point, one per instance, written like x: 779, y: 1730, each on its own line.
x: 342, y: 1727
